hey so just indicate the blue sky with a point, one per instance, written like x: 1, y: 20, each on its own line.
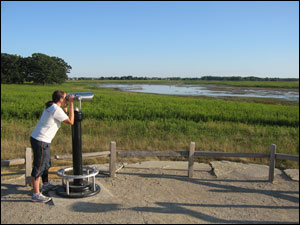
x: 164, y: 39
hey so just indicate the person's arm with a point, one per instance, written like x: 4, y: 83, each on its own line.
x: 70, y: 120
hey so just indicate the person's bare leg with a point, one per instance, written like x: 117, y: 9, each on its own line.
x: 36, y: 185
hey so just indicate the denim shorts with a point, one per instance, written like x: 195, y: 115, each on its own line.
x: 41, y: 159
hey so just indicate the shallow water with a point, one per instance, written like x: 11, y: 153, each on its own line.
x: 207, y: 90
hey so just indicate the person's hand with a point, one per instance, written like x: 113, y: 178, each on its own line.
x: 71, y: 98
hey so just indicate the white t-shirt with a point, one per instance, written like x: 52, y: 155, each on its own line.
x: 49, y: 123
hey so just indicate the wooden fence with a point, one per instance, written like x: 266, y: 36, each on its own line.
x: 191, y: 154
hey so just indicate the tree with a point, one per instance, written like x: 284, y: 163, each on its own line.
x: 61, y: 70
x: 39, y: 68
x: 43, y: 69
x: 11, y: 69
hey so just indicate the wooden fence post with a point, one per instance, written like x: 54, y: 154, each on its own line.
x: 113, y: 157
x: 28, y: 166
x: 272, y: 162
x: 191, y: 160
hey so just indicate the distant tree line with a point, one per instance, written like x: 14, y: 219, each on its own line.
x: 208, y: 78
x: 39, y: 68
x: 251, y: 78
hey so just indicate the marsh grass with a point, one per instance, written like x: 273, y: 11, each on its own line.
x: 131, y: 135
x: 152, y: 122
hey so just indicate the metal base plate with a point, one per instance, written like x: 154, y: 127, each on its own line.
x: 87, y: 191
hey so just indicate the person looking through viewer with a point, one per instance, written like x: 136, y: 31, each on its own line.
x: 41, y: 137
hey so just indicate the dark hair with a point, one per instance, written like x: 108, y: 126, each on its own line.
x: 56, y: 96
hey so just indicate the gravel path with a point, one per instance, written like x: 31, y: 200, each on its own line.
x: 160, y: 196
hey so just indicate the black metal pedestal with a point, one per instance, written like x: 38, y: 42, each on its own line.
x: 79, y: 188
x: 77, y: 146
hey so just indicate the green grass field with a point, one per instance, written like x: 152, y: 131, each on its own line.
x: 151, y: 122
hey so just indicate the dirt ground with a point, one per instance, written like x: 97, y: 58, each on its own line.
x: 159, y: 196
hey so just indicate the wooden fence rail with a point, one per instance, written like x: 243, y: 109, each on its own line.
x: 134, y: 153
x: 191, y: 154
x: 84, y: 155
x: 287, y: 157
x: 13, y: 162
